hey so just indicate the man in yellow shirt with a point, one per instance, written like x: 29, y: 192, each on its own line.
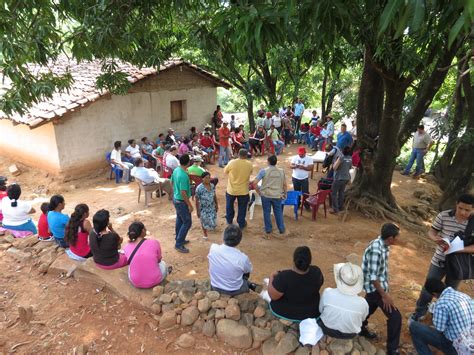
x: 239, y: 171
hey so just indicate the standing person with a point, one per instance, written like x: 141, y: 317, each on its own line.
x: 353, y: 132
x: 287, y: 128
x: 224, y: 145
x: 233, y: 123
x: 299, y: 111
x: 182, y: 203
x: 206, y: 204
x: 375, y: 268
x: 445, y: 226
x: 422, y: 143
x: 453, y: 318
x: 272, y: 192
x: 105, y: 243
x: 239, y: 171
x: 147, y: 268
x: 330, y: 128
x: 217, y: 117
x: 277, y: 121
x: 77, y: 232
x: 267, y: 122
x: 276, y: 140
x: 16, y: 212
x: 344, y: 138
x: 261, y: 111
x: 57, y: 220
x: 341, y: 168
x: 116, y: 159
x: 301, y: 165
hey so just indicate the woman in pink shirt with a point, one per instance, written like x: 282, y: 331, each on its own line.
x: 146, y: 269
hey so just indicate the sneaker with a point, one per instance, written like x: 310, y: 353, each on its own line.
x: 367, y: 334
x: 404, y: 173
x: 186, y: 242
x: 49, y: 239
x: 182, y: 249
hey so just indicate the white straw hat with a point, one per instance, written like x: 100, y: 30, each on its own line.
x: 349, y: 278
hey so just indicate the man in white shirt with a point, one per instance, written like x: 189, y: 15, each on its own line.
x: 342, y: 310
x: 116, y: 159
x: 330, y: 128
x: 422, y: 143
x: 133, y: 151
x: 170, y: 160
x: 301, y: 165
x: 229, y: 268
x: 150, y: 176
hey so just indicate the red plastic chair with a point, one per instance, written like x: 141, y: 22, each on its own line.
x: 315, y: 201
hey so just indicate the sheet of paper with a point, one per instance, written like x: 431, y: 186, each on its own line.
x: 455, y: 245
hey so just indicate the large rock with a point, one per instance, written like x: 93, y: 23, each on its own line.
x: 287, y: 344
x: 186, y: 341
x: 7, y: 239
x: 204, y: 305
x: 269, y: 347
x: 158, y: 291
x: 186, y: 294
x: 260, y: 335
x: 25, y: 242
x: 367, y: 346
x: 168, y: 320
x: 303, y: 350
x: 246, y: 319
x: 219, y: 304
x: 248, y: 301
x: 166, y: 298
x: 19, y: 254
x: 234, y: 334
x: 189, y: 315
x: 259, y: 312
x: 209, y: 328
x: 213, y: 295
x: 341, y: 346
x: 232, y: 311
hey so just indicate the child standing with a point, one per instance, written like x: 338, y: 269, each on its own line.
x: 44, y: 234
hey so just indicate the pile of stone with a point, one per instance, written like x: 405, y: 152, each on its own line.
x: 243, y: 322
x: 425, y: 208
x: 42, y: 254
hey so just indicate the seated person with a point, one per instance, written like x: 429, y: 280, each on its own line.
x: 294, y: 292
x: 207, y: 143
x: 3, y: 193
x: 77, y: 232
x: 198, y: 170
x: 161, y: 138
x: 184, y: 147
x: 133, y: 151
x: 171, y: 138
x: 116, y: 159
x: 44, y: 234
x: 342, y: 310
x: 146, y: 149
x: 315, y: 136
x: 57, y: 220
x: 105, y: 243
x: 229, y: 268
x: 192, y: 132
x: 16, y: 212
x: 276, y: 140
x: 197, y: 149
x: 303, y: 134
x: 170, y: 159
x: 149, y: 176
x: 160, y: 150
x: 256, y: 140
x: 240, y: 137
x: 146, y: 269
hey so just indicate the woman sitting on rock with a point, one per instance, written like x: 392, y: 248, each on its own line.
x: 16, y: 212
x: 77, y: 232
x: 146, y: 269
x: 105, y: 243
x: 294, y: 292
x: 57, y: 220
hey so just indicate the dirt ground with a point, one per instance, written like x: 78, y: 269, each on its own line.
x: 68, y: 313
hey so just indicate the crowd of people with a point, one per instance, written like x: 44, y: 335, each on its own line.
x: 177, y: 166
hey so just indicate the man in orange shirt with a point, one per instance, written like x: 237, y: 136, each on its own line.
x: 224, y: 145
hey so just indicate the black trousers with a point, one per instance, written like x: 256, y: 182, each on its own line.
x: 394, y: 320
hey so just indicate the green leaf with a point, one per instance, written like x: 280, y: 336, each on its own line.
x: 456, y: 29
x: 388, y: 14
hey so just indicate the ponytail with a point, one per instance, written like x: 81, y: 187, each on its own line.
x: 74, y: 223
x: 14, y: 193
x: 135, y: 230
x: 55, y: 201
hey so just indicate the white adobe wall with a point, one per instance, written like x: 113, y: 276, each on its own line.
x: 33, y: 147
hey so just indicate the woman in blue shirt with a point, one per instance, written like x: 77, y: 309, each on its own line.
x: 56, y: 220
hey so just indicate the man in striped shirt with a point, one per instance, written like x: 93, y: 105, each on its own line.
x: 375, y: 268
x: 453, y: 316
x: 445, y: 225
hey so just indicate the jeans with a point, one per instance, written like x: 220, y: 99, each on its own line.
x: 267, y: 205
x: 301, y: 185
x: 242, y: 204
x: 434, y: 272
x: 303, y: 137
x: 423, y: 335
x: 278, y: 146
x: 61, y: 242
x: 183, y: 222
x: 416, y: 154
x: 287, y: 136
x: 394, y: 320
x: 224, y: 155
x: 337, y: 194
x: 297, y: 123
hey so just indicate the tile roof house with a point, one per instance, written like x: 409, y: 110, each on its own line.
x: 71, y: 132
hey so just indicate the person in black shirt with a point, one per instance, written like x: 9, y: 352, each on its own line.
x: 294, y: 293
x: 105, y: 243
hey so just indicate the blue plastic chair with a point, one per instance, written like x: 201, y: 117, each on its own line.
x: 293, y: 199
x: 114, y: 169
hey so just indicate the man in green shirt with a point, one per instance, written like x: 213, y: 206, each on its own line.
x: 274, y: 136
x: 182, y: 204
x: 196, y: 168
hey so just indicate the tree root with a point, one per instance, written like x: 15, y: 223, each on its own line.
x: 374, y: 208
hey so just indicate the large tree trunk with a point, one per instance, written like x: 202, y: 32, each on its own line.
x: 333, y: 91
x: 250, y: 112
x: 323, y: 91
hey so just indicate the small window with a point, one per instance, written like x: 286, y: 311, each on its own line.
x: 178, y: 110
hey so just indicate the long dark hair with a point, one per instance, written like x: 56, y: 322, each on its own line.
x: 14, y: 193
x: 72, y: 226
x: 135, y: 230
x: 55, y: 201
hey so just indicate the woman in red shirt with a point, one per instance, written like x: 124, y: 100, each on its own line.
x: 77, y: 231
